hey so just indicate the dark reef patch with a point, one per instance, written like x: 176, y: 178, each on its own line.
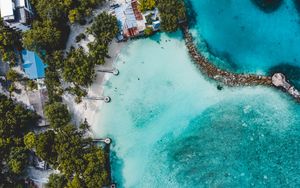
x: 268, y: 6
x: 292, y: 72
x: 297, y: 4
x: 191, y: 13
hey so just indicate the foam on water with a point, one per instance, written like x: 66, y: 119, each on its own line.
x: 173, y: 128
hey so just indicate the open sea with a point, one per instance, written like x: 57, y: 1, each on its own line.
x: 171, y: 127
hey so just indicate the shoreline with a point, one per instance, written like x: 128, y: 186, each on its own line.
x: 88, y: 109
x: 278, y: 80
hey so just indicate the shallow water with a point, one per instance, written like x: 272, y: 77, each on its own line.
x: 173, y: 128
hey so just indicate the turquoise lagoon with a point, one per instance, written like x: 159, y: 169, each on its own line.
x: 171, y: 127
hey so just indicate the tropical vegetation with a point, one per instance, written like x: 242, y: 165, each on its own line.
x: 172, y: 13
x: 15, y: 122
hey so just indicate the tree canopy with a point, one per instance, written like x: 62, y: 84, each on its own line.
x: 57, y: 114
x: 43, y: 36
x: 15, y: 122
x: 104, y: 28
x: 74, y: 10
x: 57, y: 181
x: 145, y: 5
x: 78, y: 68
x: 172, y: 12
x: 9, y: 43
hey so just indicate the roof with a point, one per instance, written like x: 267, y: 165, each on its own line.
x: 126, y: 16
x: 21, y: 3
x: 33, y: 65
x: 6, y: 8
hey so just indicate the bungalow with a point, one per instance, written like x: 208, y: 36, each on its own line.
x: 16, y: 14
x: 33, y: 65
x: 34, y: 69
x: 131, y: 21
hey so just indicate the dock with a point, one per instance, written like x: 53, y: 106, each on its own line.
x: 114, y: 71
x: 278, y: 80
x: 104, y: 140
x: 106, y: 99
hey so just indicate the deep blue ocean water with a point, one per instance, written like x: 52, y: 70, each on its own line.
x: 247, y: 39
x: 171, y: 127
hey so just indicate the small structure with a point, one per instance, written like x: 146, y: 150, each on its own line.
x: 38, y: 100
x: 130, y: 19
x: 34, y: 68
x: 16, y: 14
x: 279, y: 80
x: 114, y: 71
x: 156, y: 25
x: 33, y: 65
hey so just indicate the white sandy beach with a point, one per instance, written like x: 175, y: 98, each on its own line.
x: 88, y: 109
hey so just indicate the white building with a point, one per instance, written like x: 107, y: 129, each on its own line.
x: 16, y: 14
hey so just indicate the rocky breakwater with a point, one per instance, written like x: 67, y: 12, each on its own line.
x: 278, y: 80
x: 225, y: 77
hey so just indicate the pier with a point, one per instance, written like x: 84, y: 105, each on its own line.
x: 114, y: 71
x: 278, y: 80
x: 104, y: 140
x: 106, y: 99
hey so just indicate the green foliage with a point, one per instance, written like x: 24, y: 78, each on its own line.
x: 9, y: 43
x: 57, y: 181
x: 15, y: 122
x: 12, y: 75
x: 84, y: 126
x: 149, y: 20
x: 53, y: 85
x: 57, y: 114
x: 32, y: 85
x: 148, y: 31
x: 75, y: 183
x: 52, y: 79
x: 59, y: 10
x: 43, y: 36
x: 98, y: 52
x: 45, y: 147
x: 78, y: 68
x: 95, y: 174
x: 17, y: 159
x: 145, y: 5
x: 70, y: 147
x: 78, y: 92
x: 74, y: 15
x: 172, y: 12
x: 104, y: 28
x: 12, y: 88
x: 30, y: 140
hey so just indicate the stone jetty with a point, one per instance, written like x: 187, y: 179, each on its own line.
x: 278, y: 80
x: 225, y: 77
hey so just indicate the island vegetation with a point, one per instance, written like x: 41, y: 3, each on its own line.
x: 15, y: 122
x: 64, y: 146
x: 9, y: 44
x: 172, y: 13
